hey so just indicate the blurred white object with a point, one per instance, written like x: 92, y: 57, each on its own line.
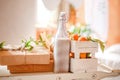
x: 76, y: 3
x: 112, y: 78
x: 53, y: 4
x: 9, y: 47
x: 4, y: 71
x: 110, y: 57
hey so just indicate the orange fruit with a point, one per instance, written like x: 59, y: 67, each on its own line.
x: 71, y: 55
x: 83, y: 55
x: 82, y: 39
x: 75, y: 37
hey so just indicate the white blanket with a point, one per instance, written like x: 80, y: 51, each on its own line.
x: 110, y: 57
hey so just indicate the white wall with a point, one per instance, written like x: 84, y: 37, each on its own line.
x: 17, y: 20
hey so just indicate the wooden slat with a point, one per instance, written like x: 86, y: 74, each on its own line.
x: 29, y: 68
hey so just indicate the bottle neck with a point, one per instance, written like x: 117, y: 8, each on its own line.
x: 62, y: 24
x: 61, y: 31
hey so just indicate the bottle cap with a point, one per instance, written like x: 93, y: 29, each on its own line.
x: 62, y: 16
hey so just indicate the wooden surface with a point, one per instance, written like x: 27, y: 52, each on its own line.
x: 61, y: 76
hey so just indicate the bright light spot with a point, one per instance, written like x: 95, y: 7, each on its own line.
x: 71, y: 28
x: 43, y: 14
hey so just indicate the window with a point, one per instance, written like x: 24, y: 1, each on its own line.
x: 45, y: 17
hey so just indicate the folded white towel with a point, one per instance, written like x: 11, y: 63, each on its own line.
x: 4, y: 71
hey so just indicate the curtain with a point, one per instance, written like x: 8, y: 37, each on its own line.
x: 96, y: 16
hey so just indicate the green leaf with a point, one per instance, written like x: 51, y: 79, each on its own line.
x: 30, y: 48
x: 22, y: 41
x: 40, y: 38
x: 36, y: 42
x: 49, y: 36
x: 27, y: 43
x: 89, y: 38
x: 102, y: 46
x: 41, y: 42
x: 2, y: 44
x: 77, y: 30
x: 86, y: 31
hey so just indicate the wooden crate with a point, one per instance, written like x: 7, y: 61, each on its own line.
x: 44, y: 67
x: 86, y: 64
x: 30, y: 68
x: 20, y: 68
x: 78, y: 47
x: 83, y: 65
x: 19, y: 58
x: 37, y: 58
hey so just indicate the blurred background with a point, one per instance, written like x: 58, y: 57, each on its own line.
x: 20, y: 19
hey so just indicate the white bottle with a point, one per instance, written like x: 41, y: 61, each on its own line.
x: 61, y: 46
